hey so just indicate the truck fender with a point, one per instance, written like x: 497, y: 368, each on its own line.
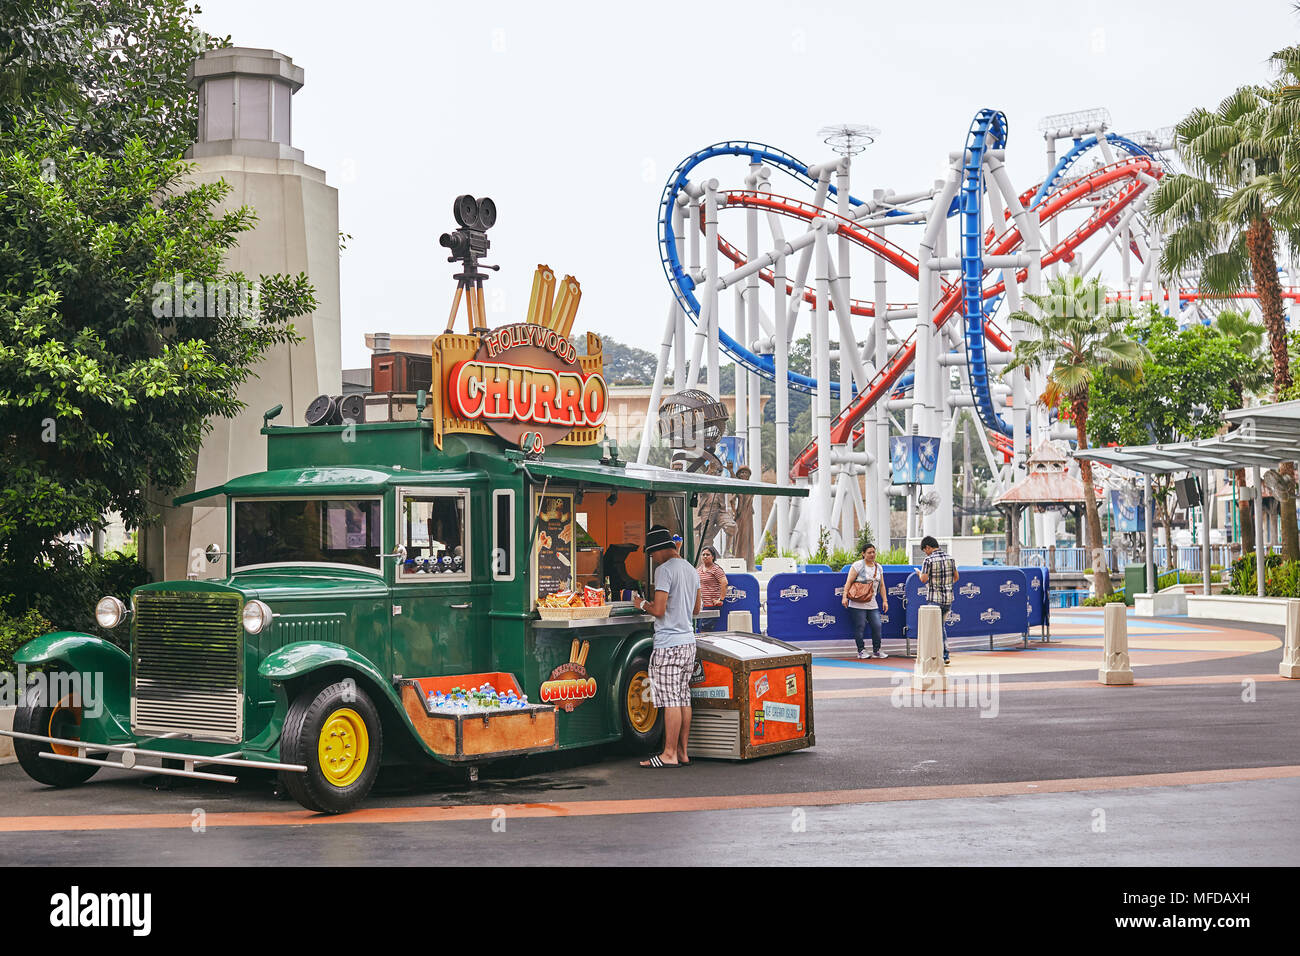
x: 637, y: 642
x: 108, y: 664
x: 304, y: 657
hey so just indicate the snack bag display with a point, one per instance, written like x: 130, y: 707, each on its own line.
x: 593, y: 597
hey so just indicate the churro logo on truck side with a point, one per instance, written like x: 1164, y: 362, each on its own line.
x: 570, y: 684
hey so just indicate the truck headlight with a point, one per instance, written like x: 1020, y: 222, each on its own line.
x: 109, y: 612
x: 256, y: 617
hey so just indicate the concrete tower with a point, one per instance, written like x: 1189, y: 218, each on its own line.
x: 244, y: 138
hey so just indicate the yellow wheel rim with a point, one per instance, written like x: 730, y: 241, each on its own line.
x: 65, y: 722
x: 641, y: 712
x: 344, y: 747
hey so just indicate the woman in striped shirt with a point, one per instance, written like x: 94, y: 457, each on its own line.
x: 713, y: 588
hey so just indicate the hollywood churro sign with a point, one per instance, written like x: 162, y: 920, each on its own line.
x: 527, y: 378
x: 570, y: 684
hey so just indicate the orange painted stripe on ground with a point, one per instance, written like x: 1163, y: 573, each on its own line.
x: 594, y: 808
x: 1006, y: 685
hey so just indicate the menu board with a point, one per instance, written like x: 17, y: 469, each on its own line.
x: 553, y: 556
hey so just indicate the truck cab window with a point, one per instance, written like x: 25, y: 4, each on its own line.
x: 433, y: 527
x: 307, y: 531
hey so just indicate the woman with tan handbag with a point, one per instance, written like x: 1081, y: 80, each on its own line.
x: 865, y: 597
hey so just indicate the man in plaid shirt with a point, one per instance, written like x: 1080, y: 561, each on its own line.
x: 938, y: 574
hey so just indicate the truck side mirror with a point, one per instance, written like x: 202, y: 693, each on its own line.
x: 213, y: 553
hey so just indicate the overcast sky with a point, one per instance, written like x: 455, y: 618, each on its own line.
x: 571, y: 115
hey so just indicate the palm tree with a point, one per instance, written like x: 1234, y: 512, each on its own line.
x: 1221, y: 217
x: 1284, y: 120
x: 1248, y: 337
x: 1080, y: 335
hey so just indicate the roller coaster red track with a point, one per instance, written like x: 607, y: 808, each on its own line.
x: 1077, y: 190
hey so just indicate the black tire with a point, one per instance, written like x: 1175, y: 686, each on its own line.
x: 36, y: 716
x: 309, y: 715
x: 638, y: 741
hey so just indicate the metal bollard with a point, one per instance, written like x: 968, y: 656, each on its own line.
x: 740, y: 621
x: 1115, y: 666
x: 929, y: 673
x: 1290, y: 666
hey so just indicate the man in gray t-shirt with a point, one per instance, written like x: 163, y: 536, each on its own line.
x: 675, y: 605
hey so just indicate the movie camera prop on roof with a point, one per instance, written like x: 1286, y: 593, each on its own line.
x: 524, y: 382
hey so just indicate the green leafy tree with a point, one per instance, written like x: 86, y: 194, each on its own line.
x: 109, y: 70
x: 1283, y: 184
x: 1223, y: 215
x: 1189, y: 378
x: 1080, y: 336
x: 105, y: 388
x: 624, y: 364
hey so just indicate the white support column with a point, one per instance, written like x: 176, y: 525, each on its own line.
x: 846, y: 297
x: 657, y: 390
x: 1149, y: 521
x: 681, y: 343
x: 754, y: 417
x: 940, y: 523
x: 780, y: 385
x: 1032, y: 243
x: 1259, y: 531
x: 704, y: 323
x: 740, y: 379
x: 1051, y: 164
x: 822, y: 362
x: 879, y: 423
x: 712, y: 382
x: 1205, y: 532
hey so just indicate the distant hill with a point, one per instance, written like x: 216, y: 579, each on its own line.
x: 624, y: 364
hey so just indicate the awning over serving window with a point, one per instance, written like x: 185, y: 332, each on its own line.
x: 651, y: 478
x: 327, y: 480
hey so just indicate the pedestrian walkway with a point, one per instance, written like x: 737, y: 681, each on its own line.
x: 1076, y: 644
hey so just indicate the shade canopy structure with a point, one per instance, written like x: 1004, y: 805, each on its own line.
x: 1264, y: 436
x: 1261, y: 437
x: 1047, y: 484
x: 1047, y: 481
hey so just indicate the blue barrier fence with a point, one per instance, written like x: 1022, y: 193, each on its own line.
x: 743, y: 594
x: 1039, y: 596
x: 989, y: 600
x: 986, y: 601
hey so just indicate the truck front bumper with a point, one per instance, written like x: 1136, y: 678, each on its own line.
x: 130, y: 755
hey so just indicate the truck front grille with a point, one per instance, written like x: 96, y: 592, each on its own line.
x: 188, y: 650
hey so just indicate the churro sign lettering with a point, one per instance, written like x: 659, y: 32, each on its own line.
x: 527, y: 378
x: 570, y: 684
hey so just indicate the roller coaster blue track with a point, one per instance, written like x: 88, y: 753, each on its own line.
x: 988, y: 131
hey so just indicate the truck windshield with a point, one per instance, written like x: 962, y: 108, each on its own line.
x: 311, y: 531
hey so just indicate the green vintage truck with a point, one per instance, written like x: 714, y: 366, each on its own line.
x: 370, y: 565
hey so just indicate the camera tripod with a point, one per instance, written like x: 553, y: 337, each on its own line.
x: 469, y: 285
